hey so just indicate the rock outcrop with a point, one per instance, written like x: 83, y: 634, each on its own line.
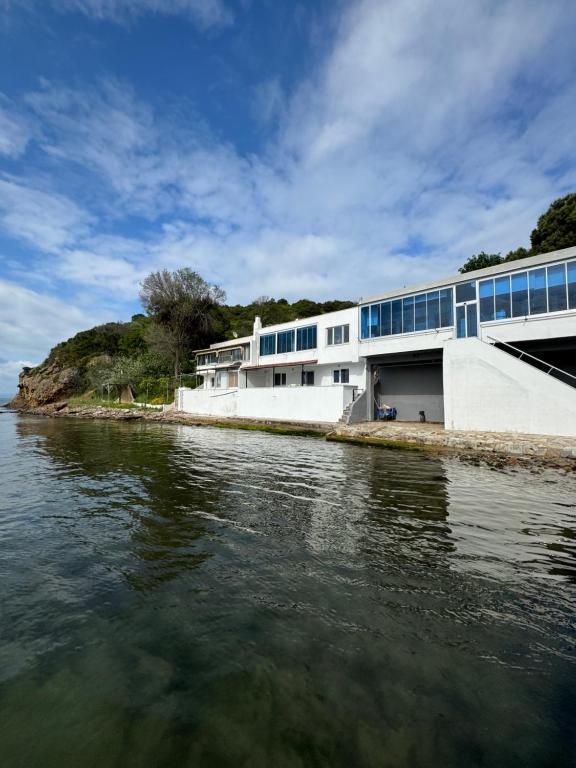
x: 41, y: 386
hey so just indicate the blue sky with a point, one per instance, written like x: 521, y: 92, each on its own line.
x: 319, y: 149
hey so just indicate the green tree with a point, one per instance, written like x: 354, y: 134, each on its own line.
x: 481, y: 261
x: 185, y: 306
x: 518, y: 253
x: 556, y: 228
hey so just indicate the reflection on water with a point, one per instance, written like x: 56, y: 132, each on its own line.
x: 174, y: 596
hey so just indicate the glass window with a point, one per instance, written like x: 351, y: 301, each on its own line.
x: 408, y: 314
x: 385, y: 318
x: 472, y: 320
x: 364, y: 322
x: 446, y: 308
x: 520, y: 294
x: 572, y: 284
x: 420, y: 312
x: 232, y: 379
x: 344, y: 376
x: 268, y: 344
x: 537, y: 291
x: 279, y: 379
x: 306, y: 337
x: 557, y: 300
x: 285, y: 341
x: 486, y: 288
x: 336, y: 377
x: 330, y: 337
x: 397, y: 316
x: 461, y: 321
x: 307, y: 378
x: 502, y: 294
x: 375, y: 320
x: 339, y: 334
x: 466, y: 292
x: 433, y: 310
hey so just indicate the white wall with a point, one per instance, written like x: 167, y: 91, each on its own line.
x: 208, y: 402
x: 323, y: 375
x: 323, y: 353
x: 406, y: 342
x: 312, y: 404
x: 536, y: 327
x: 486, y: 389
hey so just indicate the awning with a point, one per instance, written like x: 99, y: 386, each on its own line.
x: 295, y: 364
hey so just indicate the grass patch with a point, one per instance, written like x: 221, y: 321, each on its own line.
x: 81, y: 402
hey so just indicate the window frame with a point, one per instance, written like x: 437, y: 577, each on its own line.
x: 344, y: 328
x: 392, y: 314
x: 306, y: 337
x: 263, y: 339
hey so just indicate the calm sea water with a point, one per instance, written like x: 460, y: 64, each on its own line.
x: 176, y: 596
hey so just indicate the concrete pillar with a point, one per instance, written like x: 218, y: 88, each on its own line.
x: 369, y: 392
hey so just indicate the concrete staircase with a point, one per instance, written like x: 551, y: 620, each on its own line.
x: 355, y: 411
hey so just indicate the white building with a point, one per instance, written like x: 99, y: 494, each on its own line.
x: 491, y: 350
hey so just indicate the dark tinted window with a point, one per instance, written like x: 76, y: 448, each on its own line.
x: 503, y: 308
x: 537, y: 291
x: 420, y: 312
x: 486, y: 288
x: 466, y: 292
x: 557, y: 300
x: 520, y: 294
x: 408, y: 314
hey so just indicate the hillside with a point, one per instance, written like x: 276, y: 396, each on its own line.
x: 105, y: 360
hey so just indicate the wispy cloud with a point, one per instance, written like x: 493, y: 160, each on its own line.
x: 45, y: 219
x: 205, y: 14
x: 15, y: 130
x: 31, y: 322
x: 431, y: 130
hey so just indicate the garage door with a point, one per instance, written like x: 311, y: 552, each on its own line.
x: 411, y: 389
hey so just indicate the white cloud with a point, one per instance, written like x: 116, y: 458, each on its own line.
x: 9, y: 370
x: 15, y: 130
x: 433, y: 129
x: 47, y: 220
x: 205, y: 14
x: 31, y: 323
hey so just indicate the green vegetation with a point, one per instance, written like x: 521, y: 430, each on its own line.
x: 152, y: 354
x: 94, y: 402
x: 184, y: 312
x: 556, y: 229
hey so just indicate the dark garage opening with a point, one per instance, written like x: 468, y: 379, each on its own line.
x: 411, y: 384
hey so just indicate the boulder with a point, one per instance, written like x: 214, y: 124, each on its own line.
x: 41, y: 386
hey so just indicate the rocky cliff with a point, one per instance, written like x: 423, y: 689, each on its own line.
x: 41, y: 386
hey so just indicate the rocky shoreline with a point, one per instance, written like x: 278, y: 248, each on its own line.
x: 498, y: 450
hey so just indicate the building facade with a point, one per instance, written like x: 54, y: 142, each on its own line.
x: 490, y: 350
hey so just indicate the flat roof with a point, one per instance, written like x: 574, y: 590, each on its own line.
x: 225, y: 344
x: 293, y: 364
x: 478, y: 274
x: 302, y: 322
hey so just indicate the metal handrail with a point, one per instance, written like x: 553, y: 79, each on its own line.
x: 527, y: 354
